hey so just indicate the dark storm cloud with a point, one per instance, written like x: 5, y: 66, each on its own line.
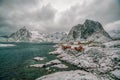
x: 10, y: 10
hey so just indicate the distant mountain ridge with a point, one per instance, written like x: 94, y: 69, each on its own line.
x: 24, y: 35
x: 90, y: 30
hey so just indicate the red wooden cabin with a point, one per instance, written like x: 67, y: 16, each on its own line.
x: 66, y: 47
x: 80, y: 48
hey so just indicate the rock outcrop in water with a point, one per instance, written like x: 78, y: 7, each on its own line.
x: 90, y: 30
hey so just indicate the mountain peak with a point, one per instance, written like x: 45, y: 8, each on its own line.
x: 95, y: 25
x: 21, y: 35
x: 23, y: 28
x: 88, y: 20
x: 88, y: 29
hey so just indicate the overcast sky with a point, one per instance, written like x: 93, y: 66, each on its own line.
x: 55, y: 15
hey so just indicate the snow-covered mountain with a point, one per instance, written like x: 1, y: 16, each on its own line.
x: 90, y: 30
x: 24, y: 35
x: 37, y: 37
x: 52, y: 37
x: 55, y: 37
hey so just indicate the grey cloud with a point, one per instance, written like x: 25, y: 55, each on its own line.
x: 113, y: 29
x: 18, y: 2
x: 113, y: 26
x: 19, y: 13
x: 46, y: 13
x: 104, y: 11
x: 45, y: 18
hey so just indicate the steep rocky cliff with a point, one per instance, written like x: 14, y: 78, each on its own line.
x: 90, y: 30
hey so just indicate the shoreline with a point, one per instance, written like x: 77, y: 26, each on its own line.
x: 95, y: 60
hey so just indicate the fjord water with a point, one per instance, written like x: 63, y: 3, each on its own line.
x: 15, y: 59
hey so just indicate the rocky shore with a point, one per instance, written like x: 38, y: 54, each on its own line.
x: 54, y: 63
x: 70, y: 75
x: 101, y: 62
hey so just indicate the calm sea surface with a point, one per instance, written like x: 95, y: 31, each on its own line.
x: 14, y: 60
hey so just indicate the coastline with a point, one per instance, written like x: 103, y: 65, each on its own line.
x: 99, y: 60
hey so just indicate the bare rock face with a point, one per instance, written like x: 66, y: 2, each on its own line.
x: 90, y: 30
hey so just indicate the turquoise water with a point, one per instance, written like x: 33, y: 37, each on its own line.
x: 14, y: 60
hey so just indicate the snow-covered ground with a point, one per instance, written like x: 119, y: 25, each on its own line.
x: 116, y: 73
x: 60, y: 66
x: 100, y: 62
x: 102, y: 59
x: 70, y: 75
x: 113, y: 43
